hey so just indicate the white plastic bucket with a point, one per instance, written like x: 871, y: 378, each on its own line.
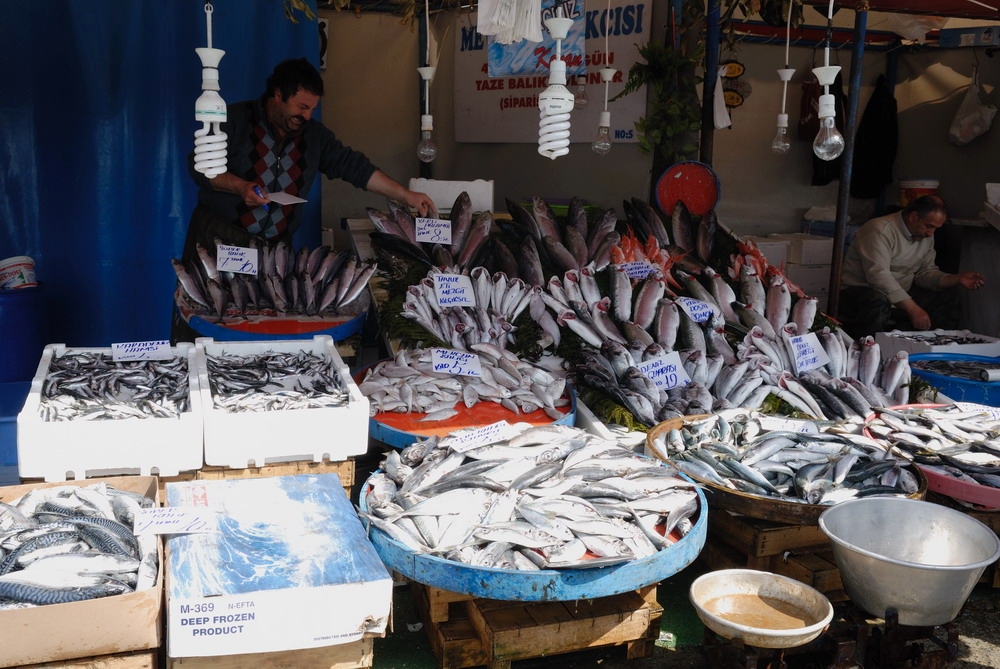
x: 911, y: 189
x: 17, y: 272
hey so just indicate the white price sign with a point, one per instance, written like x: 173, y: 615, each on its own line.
x: 666, y: 371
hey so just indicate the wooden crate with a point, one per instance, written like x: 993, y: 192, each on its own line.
x: 469, y: 632
x: 355, y: 655
x: 143, y: 659
x: 343, y: 468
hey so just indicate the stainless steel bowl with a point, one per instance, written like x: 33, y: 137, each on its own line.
x: 919, y: 558
x: 759, y: 608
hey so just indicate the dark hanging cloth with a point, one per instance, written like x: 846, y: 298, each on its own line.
x: 826, y: 171
x: 875, y: 143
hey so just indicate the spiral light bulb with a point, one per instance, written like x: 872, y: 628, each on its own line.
x: 556, y: 101
x: 210, y: 109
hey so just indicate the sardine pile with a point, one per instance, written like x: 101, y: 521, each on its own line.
x: 731, y: 450
x: 307, y: 282
x: 943, y: 338
x: 957, y: 369
x: 963, y: 444
x: 93, y: 386
x: 69, y: 543
x: 546, y: 497
x: 408, y: 383
x: 275, y: 381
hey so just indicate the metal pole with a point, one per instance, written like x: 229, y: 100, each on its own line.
x: 712, y: 34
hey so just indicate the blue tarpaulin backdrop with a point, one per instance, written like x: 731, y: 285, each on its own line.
x: 96, y: 124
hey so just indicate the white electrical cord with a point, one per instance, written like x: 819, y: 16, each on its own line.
x: 210, y: 109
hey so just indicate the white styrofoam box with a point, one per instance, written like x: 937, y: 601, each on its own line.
x: 920, y: 341
x: 814, y: 280
x: 237, y: 439
x: 805, y: 249
x: 775, y: 250
x: 76, y: 449
x: 288, y: 566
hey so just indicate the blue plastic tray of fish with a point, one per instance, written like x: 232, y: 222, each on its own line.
x: 956, y: 376
x: 87, y: 415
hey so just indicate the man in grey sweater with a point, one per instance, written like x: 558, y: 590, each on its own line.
x: 890, y: 280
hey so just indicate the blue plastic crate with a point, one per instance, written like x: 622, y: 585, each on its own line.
x: 958, y: 389
x: 12, y: 396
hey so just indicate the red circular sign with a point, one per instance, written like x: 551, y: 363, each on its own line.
x: 691, y: 182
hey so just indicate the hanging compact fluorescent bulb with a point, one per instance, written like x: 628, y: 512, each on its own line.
x: 426, y: 149
x: 602, y: 142
x: 556, y: 101
x: 210, y: 109
x: 781, y: 143
x: 829, y: 143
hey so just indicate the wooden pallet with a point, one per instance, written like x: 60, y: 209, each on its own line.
x: 801, y: 552
x: 141, y: 659
x: 343, y: 468
x: 469, y: 632
x: 355, y: 655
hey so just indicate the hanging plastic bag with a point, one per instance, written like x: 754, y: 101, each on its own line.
x: 973, y: 118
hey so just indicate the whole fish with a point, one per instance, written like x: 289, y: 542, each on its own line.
x: 680, y: 224
x: 706, y: 235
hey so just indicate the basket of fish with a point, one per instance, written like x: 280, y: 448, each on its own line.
x: 956, y: 446
x: 532, y: 513
x: 279, y: 401
x: 779, y: 470
x: 412, y: 399
x: 101, y: 594
x: 962, y: 378
x: 89, y: 415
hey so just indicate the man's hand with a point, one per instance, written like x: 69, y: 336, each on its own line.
x: 971, y: 280
x: 422, y: 203
x: 920, y: 319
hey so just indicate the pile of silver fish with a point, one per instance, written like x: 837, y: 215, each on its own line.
x: 309, y: 282
x: 275, y: 381
x: 958, y: 369
x: 960, y: 443
x: 544, y: 498
x: 93, y: 386
x: 409, y: 383
x: 732, y: 450
x: 71, y: 543
x: 943, y: 338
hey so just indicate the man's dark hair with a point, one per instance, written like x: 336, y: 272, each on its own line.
x: 291, y: 75
x: 926, y: 205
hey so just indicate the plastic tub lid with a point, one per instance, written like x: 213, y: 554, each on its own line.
x: 691, y: 182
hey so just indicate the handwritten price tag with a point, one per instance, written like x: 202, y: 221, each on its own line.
x: 236, y: 259
x: 666, y: 371
x: 459, y: 363
x: 454, y: 290
x: 772, y: 424
x: 637, y: 269
x: 466, y: 440
x: 174, y: 520
x: 434, y: 230
x: 697, y: 310
x: 141, y: 350
x: 809, y: 353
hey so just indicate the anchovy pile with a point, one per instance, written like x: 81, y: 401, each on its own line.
x: 408, y: 383
x: 307, y: 282
x: 274, y: 381
x: 546, y: 497
x: 957, y: 369
x: 731, y: 450
x: 962, y: 444
x: 68, y: 543
x: 943, y: 338
x: 93, y: 386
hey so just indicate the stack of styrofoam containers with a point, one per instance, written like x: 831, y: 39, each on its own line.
x: 77, y: 449
x: 809, y: 261
x: 236, y: 439
x: 775, y: 250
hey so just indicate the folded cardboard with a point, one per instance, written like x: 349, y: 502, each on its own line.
x: 105, y: 626
x: 288, y: 566
x: 937, y: 341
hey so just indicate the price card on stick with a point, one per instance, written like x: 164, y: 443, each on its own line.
x: 454, y: 290
x: 459, y: 363
x: 141, y: 350
x: 809, y: 353
x: 434, y: 230
x: 666, y: 371
x: 466, y: 440
x: 697, y: 310
x: 236, y: 259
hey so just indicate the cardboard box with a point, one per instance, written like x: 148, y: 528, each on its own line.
x: 973, y: 36
x: 921, y: 342
x: 68, y: 449
x: 805, y: 249
x: 814, y: 280
x: 289, y: 567
x: 105, y: 626
x: 237, y: 439
x: 775, y: 250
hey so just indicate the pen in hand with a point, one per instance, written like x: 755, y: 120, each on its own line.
x: 260, y: 193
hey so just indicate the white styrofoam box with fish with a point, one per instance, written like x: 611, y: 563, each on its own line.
x: 59, y: 439
x: 93, y: 627
x: 937, y: 341
x: 289, y: 567
x: 806, y: 249
x: 261, y: 435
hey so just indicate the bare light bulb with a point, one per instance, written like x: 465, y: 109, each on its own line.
x: 580, y: 99
x: 602, y: 142
x: 426, y: 149
x: 829, y: 143
x: 781, y: 144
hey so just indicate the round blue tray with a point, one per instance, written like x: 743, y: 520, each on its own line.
x: 342, y: 330
x: 544, y: 585
x: 956, y: 389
